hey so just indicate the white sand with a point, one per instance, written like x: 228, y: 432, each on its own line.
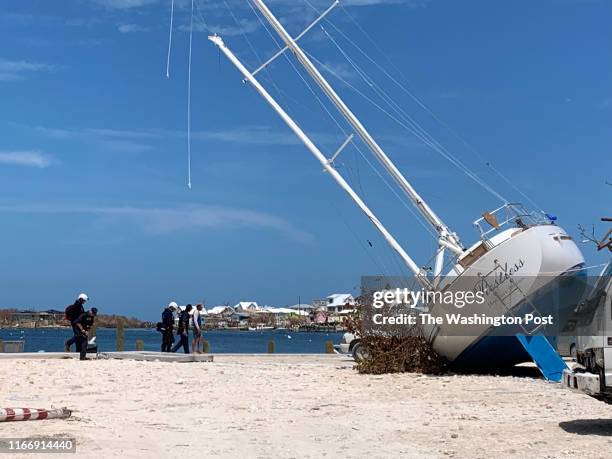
x: 286, y: 406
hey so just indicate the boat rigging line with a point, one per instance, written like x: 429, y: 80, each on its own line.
x: 445, y: 234
x: 415, y: 98
x: 411, y: 125
x: 377, y: 261
x: 344, y: 131
x: 189, y: 100
x: 421, y: 276
x: 170, y: 40
x: 446, y: 238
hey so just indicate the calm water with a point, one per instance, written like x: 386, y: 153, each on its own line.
x: 52, y: 340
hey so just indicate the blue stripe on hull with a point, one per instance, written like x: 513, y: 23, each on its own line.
x: 492, y: 352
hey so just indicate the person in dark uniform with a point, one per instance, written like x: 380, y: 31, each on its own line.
x: 168, y: 327
x: 83, y: 324
x: 73, y: 312
x: 183, y: 331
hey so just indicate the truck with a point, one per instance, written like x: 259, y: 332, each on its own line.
x: 592, y: 374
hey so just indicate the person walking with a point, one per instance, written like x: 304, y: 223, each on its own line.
x: 196, y: 320
x: 83, y: 324
x: 183, y: 330
x: 168, y: 327
x: 72, y: 313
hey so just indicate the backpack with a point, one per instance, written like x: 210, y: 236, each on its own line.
x: 72, y: 312
x: 167, y: 318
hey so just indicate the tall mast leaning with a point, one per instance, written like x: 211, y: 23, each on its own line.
x: 448, y: 239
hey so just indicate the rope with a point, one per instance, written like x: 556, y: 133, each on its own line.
x: 331, y: 116
x: 574, y: 269
x: 378, y: 263
x: 337, y: 123
x: 189, y: 101
x: 268, y: 76
x: 170, y: 40
x: 412, y: 126
x: 418, y: 101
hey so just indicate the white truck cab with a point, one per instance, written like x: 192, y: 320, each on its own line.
x: 593, y: 374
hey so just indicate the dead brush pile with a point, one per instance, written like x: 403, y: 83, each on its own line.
x: 408, y: 351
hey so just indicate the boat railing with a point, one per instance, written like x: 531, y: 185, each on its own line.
x: 510, y: 215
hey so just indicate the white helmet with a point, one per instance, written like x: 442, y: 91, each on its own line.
x: 173, y: 305
x: 83, y: 297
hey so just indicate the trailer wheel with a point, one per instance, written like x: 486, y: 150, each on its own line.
x: 359, y: 352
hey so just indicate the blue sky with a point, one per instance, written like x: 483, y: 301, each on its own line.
x: 93, y: 193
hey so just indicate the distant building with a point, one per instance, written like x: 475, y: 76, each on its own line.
x: 223, y: 316
x: 32, y: 319
x: 339, y: 302
x: 247, y: 306
x: 284, y: 312
x: 303, y: 307
x: 319, y: 304
x: 221, y: 310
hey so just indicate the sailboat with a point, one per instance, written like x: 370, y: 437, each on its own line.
x: 524, y: 254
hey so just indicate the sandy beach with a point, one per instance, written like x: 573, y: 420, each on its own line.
x: 299, y: 406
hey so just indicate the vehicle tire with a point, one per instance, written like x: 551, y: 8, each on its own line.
x: 359, y: 352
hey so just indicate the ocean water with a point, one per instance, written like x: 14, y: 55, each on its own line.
x: 221, y: 341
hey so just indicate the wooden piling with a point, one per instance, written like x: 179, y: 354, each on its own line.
x: 329, y: 347
x: 271, y: 347
x: 1, y: 346
x: 205, y: 346
x: 120, y: 335
x: 139, y: 345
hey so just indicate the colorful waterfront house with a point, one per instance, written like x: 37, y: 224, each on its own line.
x: 321, y: 317
x: 339, y: 302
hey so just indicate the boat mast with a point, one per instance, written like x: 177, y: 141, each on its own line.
x: 327, y: 164
x: 447, y: 239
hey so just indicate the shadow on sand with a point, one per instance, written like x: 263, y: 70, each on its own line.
x: 517, y: 371
x: 601, y: 427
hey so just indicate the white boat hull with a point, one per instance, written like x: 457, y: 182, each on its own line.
x: 528, y: 260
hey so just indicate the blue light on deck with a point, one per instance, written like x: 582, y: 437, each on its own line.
x: 552, y: 218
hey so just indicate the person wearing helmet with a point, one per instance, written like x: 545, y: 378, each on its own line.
x: 167, y: 327
x: 73, y: 312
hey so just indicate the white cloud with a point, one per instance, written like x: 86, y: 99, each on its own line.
x: 606, y: 103
x: 339, y: 69
x: 134, y: 141
x: 160, y: 221
x: 408, y: 3
x: 131, y: 28
x: 10, y: 77
x: 140, y: 140
x: 15, y: 70
x: 25, y: 158
x: 114, y: 140
x: 125, y: 146
x: 326, y: 3
x: 245, y: 26
x: 124, y: 4
x: 249, y: 135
